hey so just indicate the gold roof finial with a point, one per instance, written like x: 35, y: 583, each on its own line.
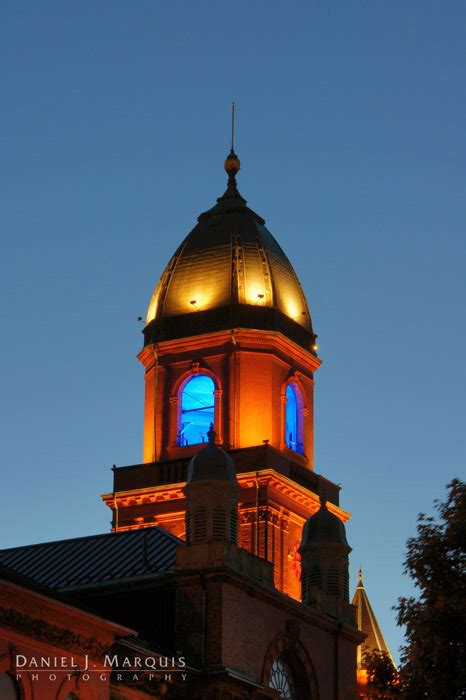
x: 360, y: 574
x: 232, y: 163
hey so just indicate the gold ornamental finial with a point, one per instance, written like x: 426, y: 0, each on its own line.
x: 232, y: 163
x: 360, y: 573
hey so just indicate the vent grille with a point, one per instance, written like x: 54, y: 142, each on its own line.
x: 345, y: 585
x: 218, y: 524
x: 316, y: 577
x: 304, y: 588
x: 333, y: 583
x: 200, y: 525
x: 233, y: 527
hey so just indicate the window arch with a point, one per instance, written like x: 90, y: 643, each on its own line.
x: 288, y: 676
x: 294, y: 419
x: 197, y: 410
x: 282, y: 679
x: 288, y: 668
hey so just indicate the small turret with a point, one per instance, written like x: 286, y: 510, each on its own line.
x: 211, y: 496
x: 324, y: 564
x: 212, y: 518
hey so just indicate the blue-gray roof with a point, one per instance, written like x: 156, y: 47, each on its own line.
x: 95, y: 560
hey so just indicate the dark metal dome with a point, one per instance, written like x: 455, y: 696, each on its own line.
x: 229, y: 272
x: 324, y: 528
x: 211, y: 464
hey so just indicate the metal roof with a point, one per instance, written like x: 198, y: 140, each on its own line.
x: 95, y: 560
x: 368, y: 623
x: 229, y: 263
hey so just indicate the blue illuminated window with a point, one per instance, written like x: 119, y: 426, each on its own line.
x: 293, y: 438
x: 197, y: 410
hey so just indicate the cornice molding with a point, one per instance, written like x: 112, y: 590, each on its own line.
x: 250, y: 338
x: 43, y: 631
x: 268, y: 477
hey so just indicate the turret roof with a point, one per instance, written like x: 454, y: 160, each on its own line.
x: 367, y: 623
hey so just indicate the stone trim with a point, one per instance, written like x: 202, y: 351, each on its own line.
x: 42, y: 631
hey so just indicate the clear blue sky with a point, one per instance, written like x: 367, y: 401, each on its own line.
x: 113, y: 129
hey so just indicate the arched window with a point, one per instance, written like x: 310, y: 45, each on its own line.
x: 8, y: 687
x: 288, y: 669
x: 281, y: 679
x: 293, y: 435
x: 197, y: 410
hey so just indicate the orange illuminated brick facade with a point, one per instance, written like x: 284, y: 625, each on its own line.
x: 250, y: 370
x: 229, y: 307
x: 279, y: 489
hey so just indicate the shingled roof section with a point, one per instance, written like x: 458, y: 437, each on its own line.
x: 367, y: 623
x: 68, y: 565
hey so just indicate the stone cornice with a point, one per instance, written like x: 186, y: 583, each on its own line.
x: 43, y: 631
x: 244, y: 338
x: 267, y: 477
x: 27, y: 600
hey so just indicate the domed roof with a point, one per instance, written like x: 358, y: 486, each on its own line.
x: 324, y: 528
x: 211, y: 464
x: 229, y: 272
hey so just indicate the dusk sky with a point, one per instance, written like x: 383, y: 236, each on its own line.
x: 350, y: 129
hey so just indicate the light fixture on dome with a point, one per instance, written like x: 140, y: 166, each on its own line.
x: 193, y: 303
x: 296, y: 318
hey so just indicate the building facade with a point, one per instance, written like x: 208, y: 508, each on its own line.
x: 228, y: 554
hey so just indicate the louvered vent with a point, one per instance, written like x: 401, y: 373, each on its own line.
x: 345, y: 585
x: 316, y: 577
x: 233, y: 527
x: 218, y: 524
x: 333, y: 584
x: 200, y: 525
x: 304, y: 587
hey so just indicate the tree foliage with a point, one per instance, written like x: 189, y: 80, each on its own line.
x: 382, y: 676
x: 433, y: 662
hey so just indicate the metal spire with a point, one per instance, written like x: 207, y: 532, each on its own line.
x: 232, y: 126
x: 232, y: 163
